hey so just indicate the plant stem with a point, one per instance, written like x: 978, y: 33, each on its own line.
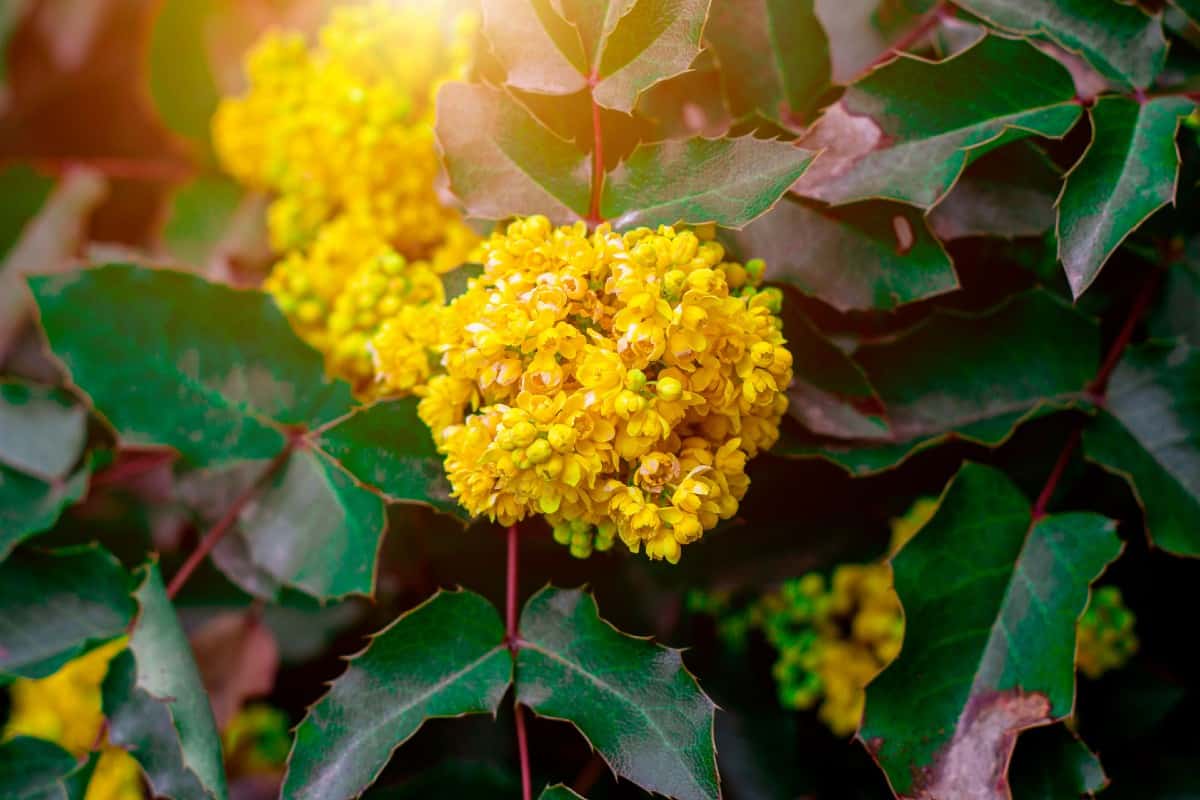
x: 594, y: 217
x: 227, y: 520
x: 135, y: 465
x: 1098, y: 387
x: 922, y: 27
x: 512, y: 637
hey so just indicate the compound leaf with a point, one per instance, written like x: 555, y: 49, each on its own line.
x: 444, y: 658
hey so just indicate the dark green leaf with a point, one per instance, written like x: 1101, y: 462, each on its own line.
x: 57, y: 606
x: 29, y: 505
x: 1029, y: 355
x: 23, y: 189
x: 386, y: 446
x: 1120, y: 40
x: 1009, y: 192
x: 156, y: 705
x: 619, y: 47
x: 633, y: 700
x: 444, y: 658
x: 774, y: 56
x: 866, y: 256
x: 42, y: 429
x: 1177, y: 311
x: 560, y: 792
x: 35, y: 769
x: 1052, y: 763
x: 503, y: 162
x: 171, y: 360
x: 1149, y: 434
x: 727, y: 181
x: 830, y: 394
x: 991, y: 93
x: 1128, y: 172
x: 991, y: 598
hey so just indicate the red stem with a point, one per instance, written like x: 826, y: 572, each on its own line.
x: 512, y: 637
x: 136, y: 465
x: 155, y: 170
x: 594, y: 217
x: 1099, y: 385
x: 226, y: 522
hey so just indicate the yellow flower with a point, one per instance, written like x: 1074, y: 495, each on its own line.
x: 1106, y: 636
x: 614, y: 381
x: 904, y: 528
x: 64, y: 708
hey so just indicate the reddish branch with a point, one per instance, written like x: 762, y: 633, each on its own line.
x: 132, y: 465
x: 915, y: 34
x: 1098, y: 388
x: 512, y: 638
x: 217, y: 532
x: 594, y: 217
x: 156, y: 170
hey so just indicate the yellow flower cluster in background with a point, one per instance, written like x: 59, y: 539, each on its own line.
x: 341, y: 135
x: 615, y: 383
x: 64, y: 708
x: 1106, y: 637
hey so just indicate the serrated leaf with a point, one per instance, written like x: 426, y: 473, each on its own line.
x: 35, y: 769
x: 633, y: 700
x: 996, y: 91
x: 29, y: 506
x: 774, y: 56
x: 503, y: 162
x: 619, y: 47
x: 830, y: 394
x: 169, y: 359
x: 1120, y: 40
x: 1127, y: 173
x: 156, y: 705
x: 1149, y: 434
x: 989, y: 643
x: 444, y: 658
x: 1051, y: 763
x: 42, y: 429
x: 560, y: 792
x: 1032, y: 354
x: 727, y: 181
x: 59, y: 605
x: 386, y: 446
x: 866, y: 256
x: 1009, y: 192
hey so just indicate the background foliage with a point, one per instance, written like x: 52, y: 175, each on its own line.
x: 982, y: 218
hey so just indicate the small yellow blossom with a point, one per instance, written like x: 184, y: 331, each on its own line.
x: 1106, y: 637
x: 617, y: 382
x: 65, y: 708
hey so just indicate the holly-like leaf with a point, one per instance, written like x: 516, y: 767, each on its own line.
x: 502, y: 161
x: 156, y: 705
x: 998, y: 90
x: 57, y: 606
x: 1128, y: 172
x: 619, y: 48
x: 1032, y: 354
x: 42, y: 429
x: 989, y: 643
x: 444, y: 658
x: 1149, y: 433
x: 35, y: 769
x: 560, y: 792
x: 388, y: 447
x: 727, y: 181
x: 30, y: 505
x: 169, y: 359
x: 866, y: 256
x: 1052, y: 763
x: 633, y: 700
x: 830, y: 394
x: 1009, y: 192
x: 1121, y: 41
x: 774, y: 57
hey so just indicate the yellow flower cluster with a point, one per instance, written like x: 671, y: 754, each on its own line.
x: 341, y: 135
x: 832, y: 640
x: 1106, y: 637
x: 64, y: 708
x: 615, y: 383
